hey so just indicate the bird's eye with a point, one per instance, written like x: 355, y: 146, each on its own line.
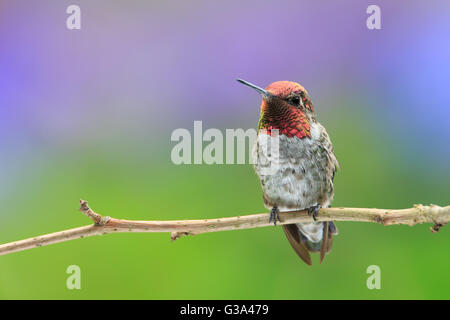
x: 295, y: 101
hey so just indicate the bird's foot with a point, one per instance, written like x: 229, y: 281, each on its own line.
x: 314, y: 210
x: 274, y: 216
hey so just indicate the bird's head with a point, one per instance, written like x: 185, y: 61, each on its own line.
x: 287, y: 107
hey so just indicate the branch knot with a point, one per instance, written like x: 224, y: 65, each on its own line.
x: 97, y: 218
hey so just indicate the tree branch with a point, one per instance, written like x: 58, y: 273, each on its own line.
x: 438, y: 216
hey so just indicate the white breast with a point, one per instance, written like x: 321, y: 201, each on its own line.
x: 300, y: 179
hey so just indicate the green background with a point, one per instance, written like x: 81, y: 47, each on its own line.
x: 244, y: 264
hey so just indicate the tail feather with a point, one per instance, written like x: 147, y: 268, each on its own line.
x: 326, y: 235
x: 298, y: 244
x: 302, y: 245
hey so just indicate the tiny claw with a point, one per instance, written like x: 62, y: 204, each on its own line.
x: 274, y: 216
x: 436, y: 227
x: 314, y: 210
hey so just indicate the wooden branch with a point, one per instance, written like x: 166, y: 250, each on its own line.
x: 438, y: 216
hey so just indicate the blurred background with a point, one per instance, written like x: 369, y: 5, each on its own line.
x: 89, y: 113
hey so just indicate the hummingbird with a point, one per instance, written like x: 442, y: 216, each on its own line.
x: 303, y: 168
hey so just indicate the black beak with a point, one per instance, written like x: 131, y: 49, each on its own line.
x: 260, y: 90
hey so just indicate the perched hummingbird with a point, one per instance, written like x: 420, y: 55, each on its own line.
x: 304, y: 166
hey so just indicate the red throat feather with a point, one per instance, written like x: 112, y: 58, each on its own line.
x: 278, y: 114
